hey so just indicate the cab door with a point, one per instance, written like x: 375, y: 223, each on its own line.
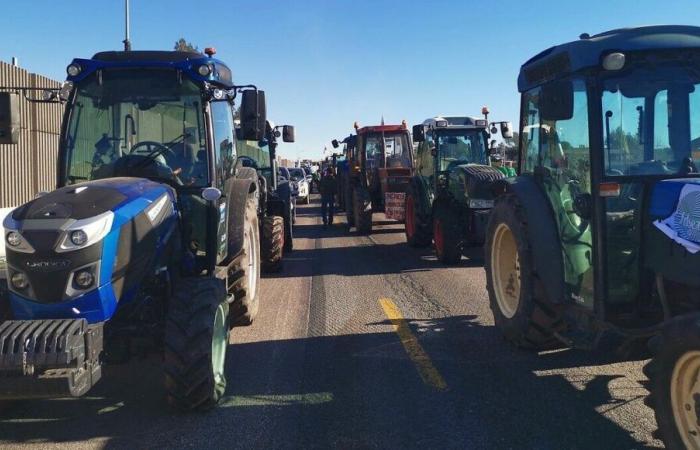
x: 556, y: 152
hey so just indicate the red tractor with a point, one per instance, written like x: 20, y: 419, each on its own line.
x: 380, y: 167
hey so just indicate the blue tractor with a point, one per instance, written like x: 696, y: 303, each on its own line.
x: 151, y: 235
x: 600, y: 231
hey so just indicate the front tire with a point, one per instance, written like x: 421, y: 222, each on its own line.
x: 248, y: 293
x: 674, y: 382
x: 272, y: 245
x: 417, y: 227
x: 196, y: 338
x: 448, y: 242
x: 525, y: 318
x: 362, y: 209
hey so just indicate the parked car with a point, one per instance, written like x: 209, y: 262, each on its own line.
x: 299, y: 176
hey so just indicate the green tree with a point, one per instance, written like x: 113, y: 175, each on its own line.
x: 181, y: 45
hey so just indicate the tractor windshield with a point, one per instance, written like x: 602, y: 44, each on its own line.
x: 136, y: 122
x: 457, y: 147
x: 651, y: 122
x: 389, y: 150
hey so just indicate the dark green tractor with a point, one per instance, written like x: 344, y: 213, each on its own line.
x: 600, y: 231
x: 450, y: 196
x: 275, y: 212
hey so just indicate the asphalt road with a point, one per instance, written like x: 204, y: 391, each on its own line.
x: 363, y: 342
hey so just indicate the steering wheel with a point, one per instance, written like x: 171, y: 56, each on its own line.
x: 153, y: 150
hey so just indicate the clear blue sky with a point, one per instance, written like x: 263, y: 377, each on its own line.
x: 325, y: 63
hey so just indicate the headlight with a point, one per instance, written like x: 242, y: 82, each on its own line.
x: 14, y: 239
x: 83, y: 233
x: 19, y: 280
x: 204, y: 70
x: 78, y: 237
x: 74, y: 69
x: 17, y: 243
x: 83, y: 279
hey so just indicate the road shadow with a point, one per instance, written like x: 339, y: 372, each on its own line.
x: 348, y: 391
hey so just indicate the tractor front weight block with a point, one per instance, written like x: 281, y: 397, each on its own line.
x: 49, y: 358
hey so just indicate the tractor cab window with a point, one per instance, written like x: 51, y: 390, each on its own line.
x: 397, y: 151
x: 224, y: 151
x: 374, y: 151
x: 136, y: 123
x: 456, y: 147
x: 387, y: 150
x: 650, y: 122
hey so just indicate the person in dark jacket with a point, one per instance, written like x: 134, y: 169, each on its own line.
x: 329, y: 187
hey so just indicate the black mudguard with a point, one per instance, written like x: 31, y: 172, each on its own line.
x: 546, y: 250
x: 238, y: 192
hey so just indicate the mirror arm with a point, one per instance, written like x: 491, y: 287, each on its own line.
x: 26, y: 90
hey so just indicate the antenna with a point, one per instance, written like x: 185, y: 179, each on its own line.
x: 126, y: 41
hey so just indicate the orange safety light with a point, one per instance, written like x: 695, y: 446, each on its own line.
x: 485, y: 110
x: 210, y: 51
x: 403, y: 124
x: 609, y: 189
x: 356, y: 125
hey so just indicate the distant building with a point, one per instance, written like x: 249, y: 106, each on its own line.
x: 30, y: 166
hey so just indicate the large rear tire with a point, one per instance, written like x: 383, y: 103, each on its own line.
x: 246, y: 302
x: 674, y: 383
x: 362, y: 209
x: 417, y: 226
x: 196, y: 338
x: 272, y: 244
x: 521, y: 313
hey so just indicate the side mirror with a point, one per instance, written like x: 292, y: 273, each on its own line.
x: 9, y: 118
x: 557, y: 100
x: 433, y: 151
x: 418, y: 133
x: 506, y: 130
x: 253, y: 115
x: 288, y: 133
x: 335, y: 143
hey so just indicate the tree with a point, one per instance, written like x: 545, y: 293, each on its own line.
x: 181, y: 45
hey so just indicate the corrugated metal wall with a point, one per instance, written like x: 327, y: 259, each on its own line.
x: 30, y: 166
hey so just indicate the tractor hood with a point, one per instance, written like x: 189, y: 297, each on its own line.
x: 101, y: 227
x: 477, y: 179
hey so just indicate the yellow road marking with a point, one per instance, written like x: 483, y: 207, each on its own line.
x: 420, y: 358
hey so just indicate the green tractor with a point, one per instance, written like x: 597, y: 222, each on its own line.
x: 450, y: 196
x: 601, y: 229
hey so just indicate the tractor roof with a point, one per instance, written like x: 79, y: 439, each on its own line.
x: 382, y: 129
x: 560, y: 60
x: 455, y: 122
x: 188, y: 62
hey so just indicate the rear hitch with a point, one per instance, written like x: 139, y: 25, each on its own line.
x: 49, y: 358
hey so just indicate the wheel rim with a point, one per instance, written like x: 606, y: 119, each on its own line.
x: 410, y: 227
x: 505, y: 270
x: 685, y: 398
x: 219, y: 343
x: 252, y: 264
x: 439, y: 238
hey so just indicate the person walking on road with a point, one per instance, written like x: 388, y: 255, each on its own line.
x: 329, y: 187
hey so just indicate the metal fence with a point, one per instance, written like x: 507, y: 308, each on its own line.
x: 29, y: 166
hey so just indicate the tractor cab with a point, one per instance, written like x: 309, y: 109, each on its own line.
x: 446, y: 143
x: 164, y: 116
